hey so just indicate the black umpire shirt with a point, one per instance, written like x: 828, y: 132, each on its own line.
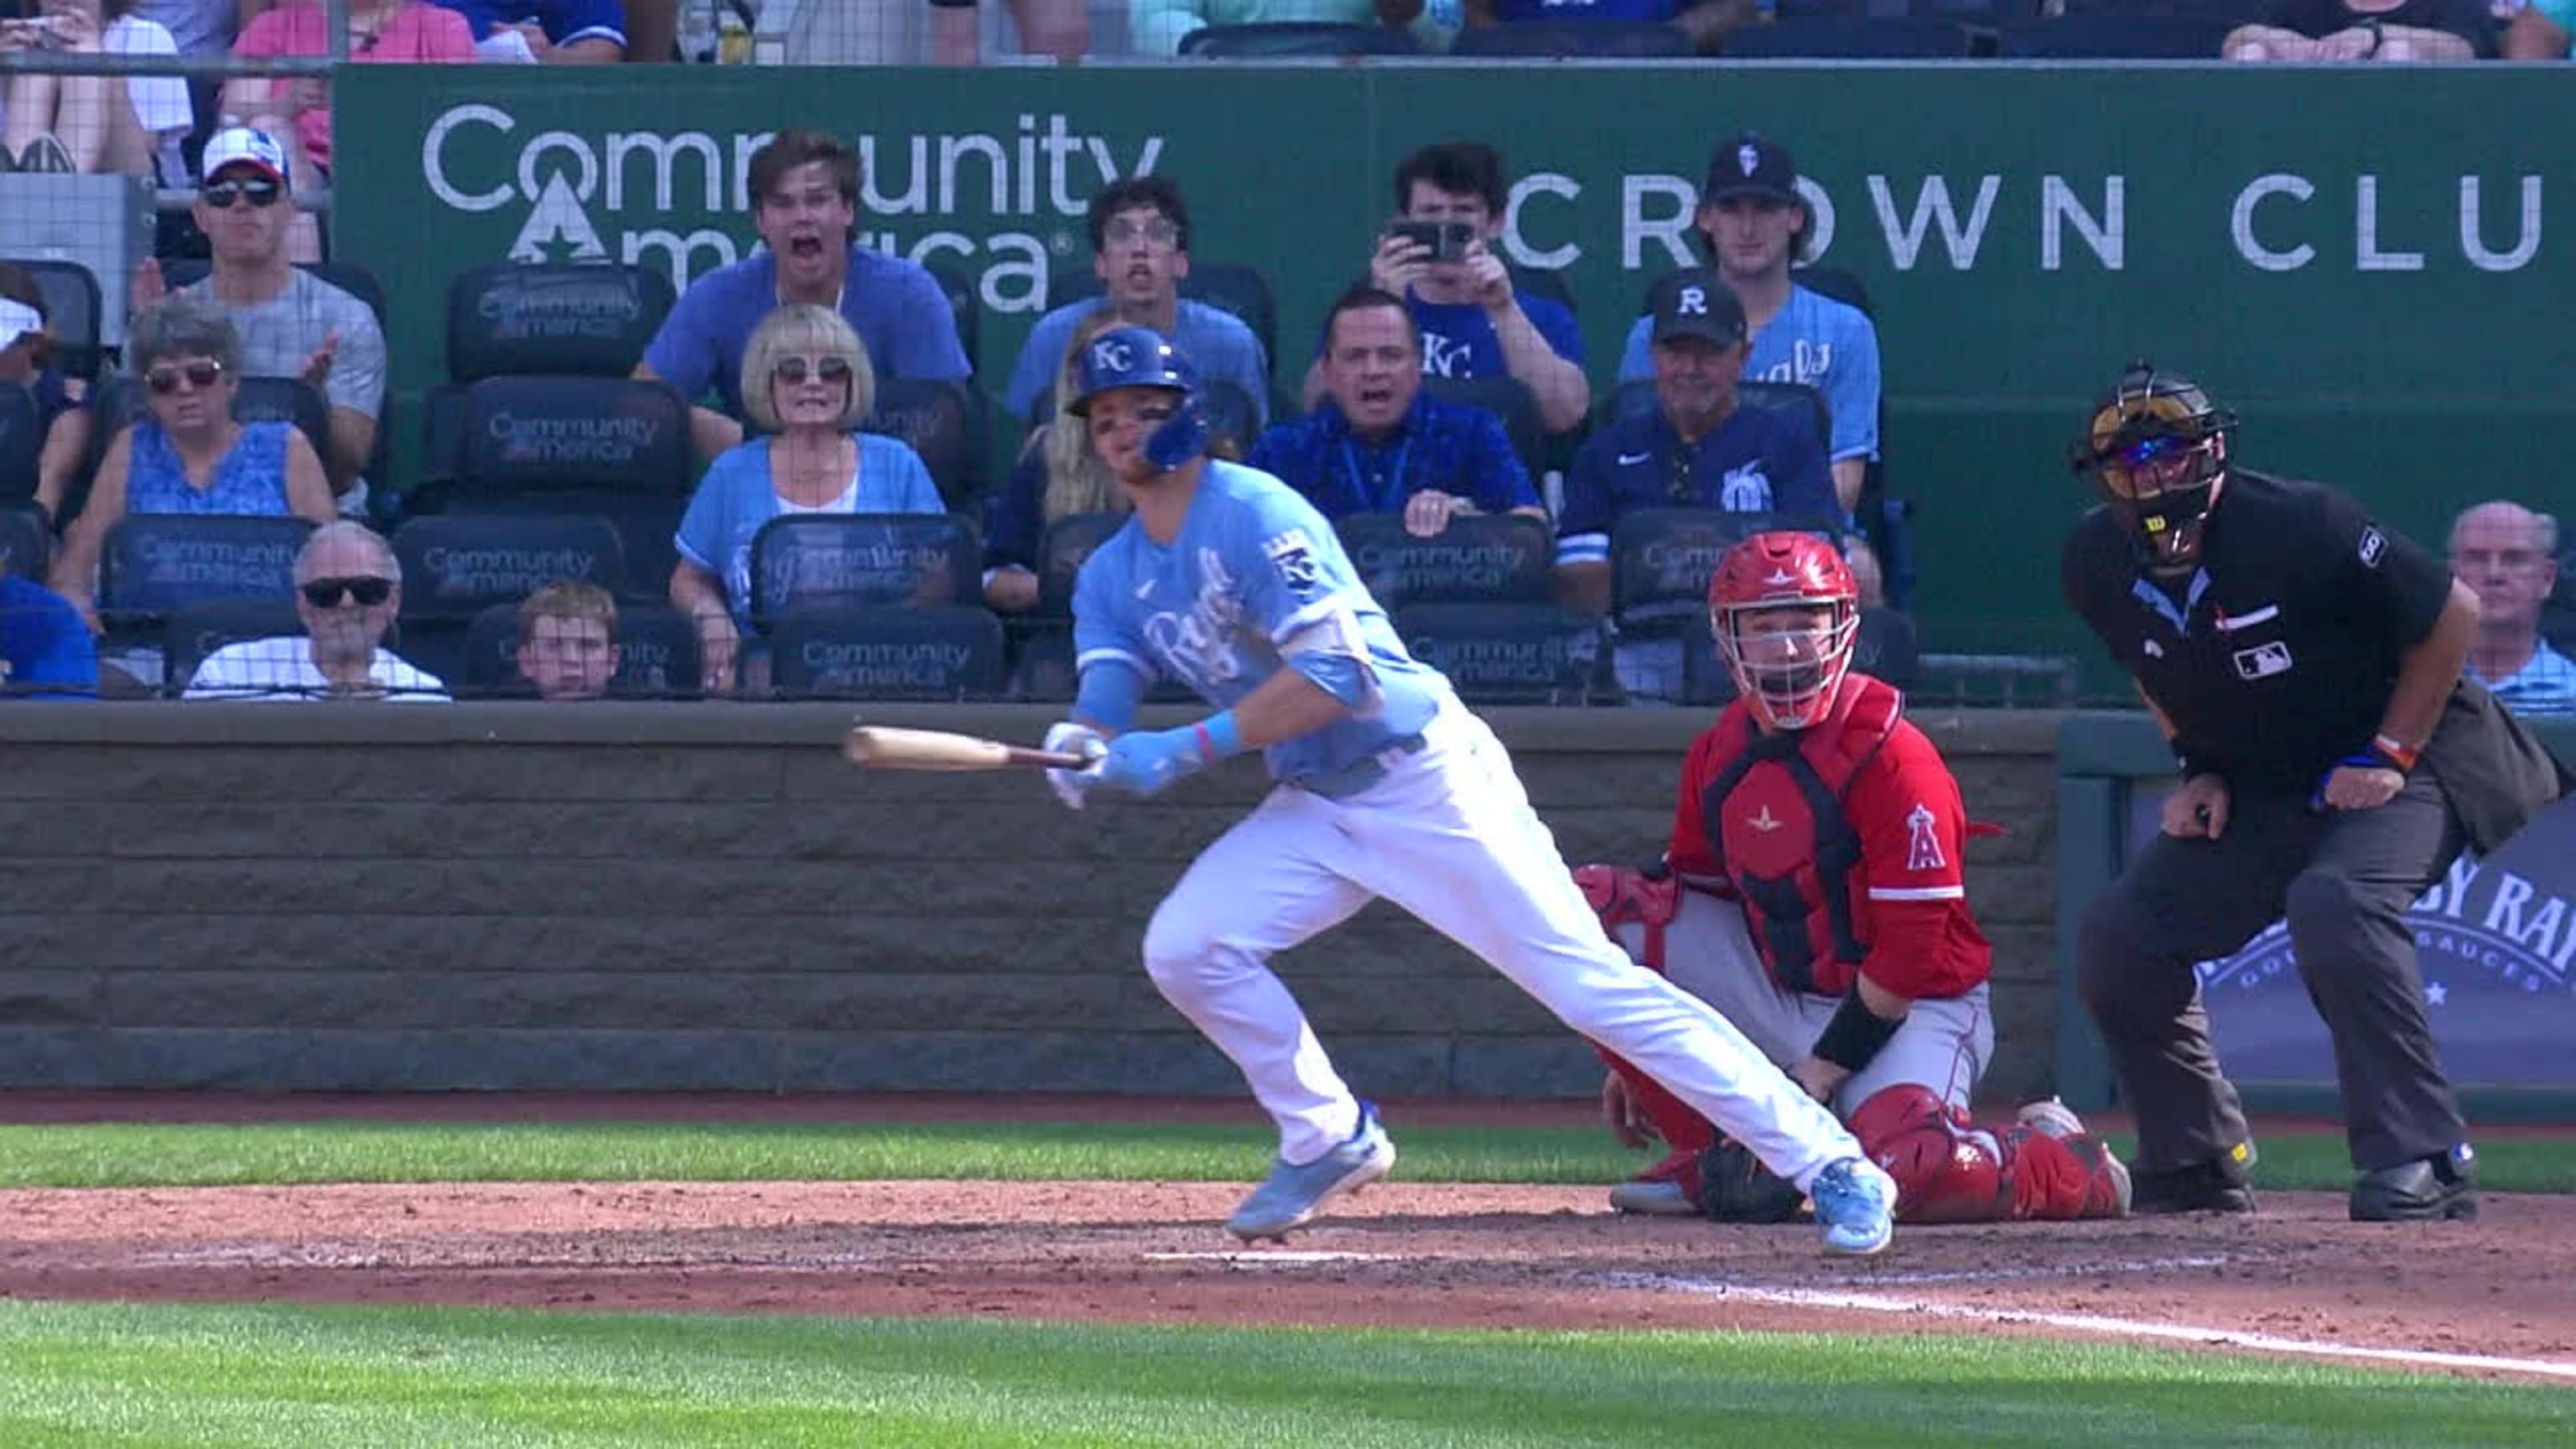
x: 2275, y: 659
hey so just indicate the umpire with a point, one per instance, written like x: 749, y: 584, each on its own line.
x: 2305, y: 665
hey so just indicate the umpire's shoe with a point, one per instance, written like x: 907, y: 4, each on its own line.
x: 2216, y: 1186
x: 1294, y: 1192
x: 2442, y: 1186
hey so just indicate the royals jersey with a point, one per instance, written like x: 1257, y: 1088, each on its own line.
x: 1255, y: 575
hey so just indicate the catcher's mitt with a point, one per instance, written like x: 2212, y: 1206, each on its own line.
x: 1734, y: 1187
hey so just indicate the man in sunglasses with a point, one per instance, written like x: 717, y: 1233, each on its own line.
x: 348, y: 589
x: 291, y: 323
x: 2305, y: 663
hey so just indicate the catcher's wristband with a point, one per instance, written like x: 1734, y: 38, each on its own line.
x: 1856, y: 1035
x: 2399, y: 756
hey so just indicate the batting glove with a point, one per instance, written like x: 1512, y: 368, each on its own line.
x: 1144, y: 763
x: 1073, y: 739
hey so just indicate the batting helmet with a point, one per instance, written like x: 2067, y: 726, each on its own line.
x: 1789, y: 682
x: 1140, y: 357
x: 2156, y: 448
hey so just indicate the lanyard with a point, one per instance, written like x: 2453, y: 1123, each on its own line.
x: 1375, y: 500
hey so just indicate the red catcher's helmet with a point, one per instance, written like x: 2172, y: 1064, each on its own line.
x: 1788, y: 680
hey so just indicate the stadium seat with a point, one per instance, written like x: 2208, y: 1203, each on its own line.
x: 1516, y: 653
x: 540, y: 434
x: 644, y: 524
x: 73, y: 307
x: 156, y: 563
x: 1491, y: 558
x: 1838, y: 284
x: 1852, y: 37
x: 1619, y: 38
x: 442, y: 437
x: 26, y: 539
x: 454, y: 566
x: 1507, y: 398
x: 657, y: 655
x: 2116, y: 37
x: 947, y: 423
x: 349, y: 277
x: 22, y: 442
x: 1231, y: 412
x: 1661, y: 559
x: 189, y: 634
x: 879, y: 653
x: 1067, y: 542
x: 588, y: 319
x: 964, y: 302
x: 1236, y: 288
x: 825, y: 561
x: 1295, y: 38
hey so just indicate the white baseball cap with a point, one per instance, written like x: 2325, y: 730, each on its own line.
x: 18, y: 320
x: 241, y: 144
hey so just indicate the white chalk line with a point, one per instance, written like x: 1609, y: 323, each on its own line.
x: 1277, y: 1258
x: 2099, y: 1323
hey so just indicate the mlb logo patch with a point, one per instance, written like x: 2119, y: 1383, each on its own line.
x: 1293, y: 555
x: 2263, y: 661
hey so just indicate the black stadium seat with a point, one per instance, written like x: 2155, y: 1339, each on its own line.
x: 1067, y: 542
x: 1628, y: 39
x: 454, y: 566
x: 657, y: 655
x: 1293, y: 38
x: 947, y: 423
x: 1511, y: 402
x: 1661, y: 559
x: 156, y: 563
x: 644, y: 522
x: 189, y: 634
x: 823, y: 561
x: 26, y: 540
x: 965, y: 303
x: 861, y: 653
x: 1491, y: 558
x: 536, y: 434
x: 589, y: 319
x: 22, y: 442
x: 1516, y: 653
x: 73, y: 311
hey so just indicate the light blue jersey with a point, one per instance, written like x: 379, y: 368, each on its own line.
x: 1255, y: 576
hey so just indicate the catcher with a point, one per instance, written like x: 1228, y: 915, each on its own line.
x: 1812, y: 893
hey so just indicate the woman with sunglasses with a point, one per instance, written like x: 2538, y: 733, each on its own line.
x: 1059, y: 474
x: 810, y: 458
x: 62, y: 402
x: 187, y: 454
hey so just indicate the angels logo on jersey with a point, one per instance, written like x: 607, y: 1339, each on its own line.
x: 1922, y: 847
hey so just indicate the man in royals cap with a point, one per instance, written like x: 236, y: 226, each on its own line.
x: 1757, y: 223
x: 292, y: 323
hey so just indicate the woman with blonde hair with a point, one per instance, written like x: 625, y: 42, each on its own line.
x: 1059, y: 475
x: 807, y: 384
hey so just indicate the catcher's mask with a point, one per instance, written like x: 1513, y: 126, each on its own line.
x: 2157, y: 450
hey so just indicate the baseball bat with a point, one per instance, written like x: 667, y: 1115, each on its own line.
x: 876, y: 747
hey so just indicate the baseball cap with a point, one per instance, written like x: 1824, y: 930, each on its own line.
x: 240, y: 145
x: 1694, y: 303
x: 18, y: 320
x: 1751, y: 165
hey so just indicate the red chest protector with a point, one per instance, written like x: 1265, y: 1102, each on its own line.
x: 1774, y: 814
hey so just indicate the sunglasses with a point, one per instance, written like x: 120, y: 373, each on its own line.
x: 368, y: 590
x: 797, y: 369
x: 200, y: 374
x: 222, y: 194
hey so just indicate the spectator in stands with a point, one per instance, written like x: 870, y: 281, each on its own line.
x: 1706, y: 22
x: 348, y: 590
x: 1059, y: 475
x: 1058, y: 28
x: 187, y: 454
x: 1379, y: 442
x: 2508, y: 556
x: 815, y: 388
x: 2349, y: 30
x: 117, y: 125
x: 46, y: 651
x: 201, y: 27
x: 2542, y: 30
x: 546, y: 32
x: 62, y: 403
x: 291, y: 323
x: 805, y: 187
x: 1140, y: 250
x: 568, y: 640
x: 1755, y: 225
x: 297, y: 110
x: 1473, y: 320
x: 1700, y: 448
x: 1159, y: 26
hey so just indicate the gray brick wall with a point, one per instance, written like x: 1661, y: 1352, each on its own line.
x: 661, y: 896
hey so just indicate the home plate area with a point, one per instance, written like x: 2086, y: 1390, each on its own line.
x: 2497, y: 1296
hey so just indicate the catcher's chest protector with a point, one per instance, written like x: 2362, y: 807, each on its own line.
x: 1774, y: 815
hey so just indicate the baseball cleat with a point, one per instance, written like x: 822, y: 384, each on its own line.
x: 1295, y: 1192
x: 1855, y: 1205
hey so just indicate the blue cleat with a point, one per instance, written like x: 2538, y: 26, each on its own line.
x: 1856, y: 1206
x: 1294, y: 1192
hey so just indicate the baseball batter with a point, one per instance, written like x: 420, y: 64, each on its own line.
x: 1229, y: 582
x: 1813, y: 894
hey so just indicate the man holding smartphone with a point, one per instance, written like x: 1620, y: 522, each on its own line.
x: 1438, y: 255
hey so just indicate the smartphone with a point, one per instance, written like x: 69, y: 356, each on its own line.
x: 1447, y: 240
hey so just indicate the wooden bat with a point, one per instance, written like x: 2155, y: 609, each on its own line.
x: 876, y: 747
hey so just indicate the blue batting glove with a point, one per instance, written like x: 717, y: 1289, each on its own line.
x: 1144, y: 762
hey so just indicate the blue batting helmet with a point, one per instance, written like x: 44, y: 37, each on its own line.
x: 1140, y: 357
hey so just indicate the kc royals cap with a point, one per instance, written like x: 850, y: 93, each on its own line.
x: 242, y: 146
x: 1751, y: 165
x: 1694, y: 303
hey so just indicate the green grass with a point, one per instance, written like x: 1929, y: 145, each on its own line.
x: 288, y: 1378
x: 199, y: 1155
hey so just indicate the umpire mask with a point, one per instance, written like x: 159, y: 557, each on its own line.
x: 2156, y: 450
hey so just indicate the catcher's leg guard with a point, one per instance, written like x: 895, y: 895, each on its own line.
x: 1624, y: 897
x: 1950, y: 1171
x: 2059, y: 1170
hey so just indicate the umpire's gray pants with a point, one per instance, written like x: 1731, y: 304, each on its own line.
x: 2344, y: 880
